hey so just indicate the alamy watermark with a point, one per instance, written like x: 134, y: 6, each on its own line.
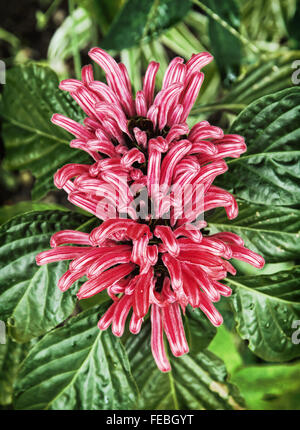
x: 2, y: 333
x: 153, y: 202
x: 2, y: 72
x: 296, y: 74
x: 296, y: 334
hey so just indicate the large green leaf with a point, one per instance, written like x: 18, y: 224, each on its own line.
x: 269, y: 172
x: 76, y: 366
x: 143, y: 20
x: 225, y: 47
x: 29, y: 297
x: 265, y: 308
x: 272, y: 231
x: 197, y: 380
x: 30, y: 97
x: 11, y: 354
x: 9, y: 211
x: 275, y: 387
x: 199, y: 331
x: 102, y: 11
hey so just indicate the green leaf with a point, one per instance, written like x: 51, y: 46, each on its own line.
x: 29, y: 297
x: 271, y: 231
x: 30, y: 97
x: 266, y: 387
x: 76, y: 367
x: 269, y: 172
x: 102, y: 11
x: 270, y: 74
x: 60, y: 46
x: 9, y: 211
x: 197, y: 380
x: 225, y: 47
x: 198, y: 329
x: 11, y: 355
x: 265, y: 308
x: 142, y: 20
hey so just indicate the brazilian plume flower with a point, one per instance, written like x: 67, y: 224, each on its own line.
x: 150, y: 181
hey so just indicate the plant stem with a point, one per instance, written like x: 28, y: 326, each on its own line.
x: 227, y: 26
x: 236, y: 108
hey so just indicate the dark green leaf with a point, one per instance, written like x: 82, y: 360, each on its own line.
x: 225, y: 47
x: 197, y: 380
x: 102, y: 11
x: 265, y: 308
x: 269, y: 172
x: 76, y: 367
x: 9, y: 211
x: 29, y: 297
x: 11, y: 355
x: 30, y: 97
x: 143, y: 20
x: 199, y: 331
x: 273, y: 232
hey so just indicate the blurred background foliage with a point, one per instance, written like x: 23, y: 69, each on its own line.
x: 254, y: 42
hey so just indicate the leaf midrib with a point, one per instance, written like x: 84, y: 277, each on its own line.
x: 232, y: 226
x: 265, y: 154
x: 34, y: 130
x: 254, y: 291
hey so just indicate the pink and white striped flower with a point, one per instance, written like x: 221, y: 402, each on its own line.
x: 159, y: 260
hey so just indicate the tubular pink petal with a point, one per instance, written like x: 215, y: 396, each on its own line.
x: 224, y: 290
x: 173, y: 327
x: 175, y: 154
x: 106, y: 261
x: 168, y: 238
x: 197, y: 62
x: 106, y: 320
x: 115, y: 77
x: 244, y: 254
x: 210, y: 311
x: 174, y: 269
x: 203, y: 130
x: 67, y: 172
x: 157, y: 341
x: 94, y: 286
x: 71, y: 126
x: 87, y: 75
x: 104, y: 92
x: 135, y: 324
x: 176, y: 115
x: 59, y: 254
x: 228, y: 237
x: 141, y: 104
x: 142, y: 294
x: 171, y: 72
x: 149, y: 82
x: 70, y: 85
x: 169, y: 97
x: 121, y: 312
x: 69, y: 236
x: 68, y: 279
x: 190, y: 93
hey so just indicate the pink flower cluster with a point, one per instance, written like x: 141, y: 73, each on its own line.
x: 163, y: 260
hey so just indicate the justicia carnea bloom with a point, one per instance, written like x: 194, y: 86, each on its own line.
x: 157, y: 260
